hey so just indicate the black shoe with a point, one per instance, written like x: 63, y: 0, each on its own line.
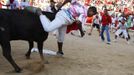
x: 89, y: 33
x: 82, y: 34
x: 108, y: 43
x: 60, y: 53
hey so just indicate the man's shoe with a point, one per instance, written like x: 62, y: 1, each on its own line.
x: 82, y: 34
x: 89, y: 33
x: 60, y: 53
x: 108, y: 43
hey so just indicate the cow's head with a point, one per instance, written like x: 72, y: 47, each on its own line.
x: 91, y: 11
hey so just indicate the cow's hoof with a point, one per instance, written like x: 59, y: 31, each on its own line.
x: 46, y: 62
x: 27, y: 56
x: 18, y: 70
x: 60, y: 53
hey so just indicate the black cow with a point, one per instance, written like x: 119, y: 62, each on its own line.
x: 21, y: 25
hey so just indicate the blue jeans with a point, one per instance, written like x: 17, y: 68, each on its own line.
x: 107, y: 33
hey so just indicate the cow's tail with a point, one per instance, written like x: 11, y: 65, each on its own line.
x: 3, y: 20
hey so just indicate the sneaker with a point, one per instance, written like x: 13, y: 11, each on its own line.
x: 108, y: 43
x: 89, y: 33
x: 82, y: 34
x: 60, y: 53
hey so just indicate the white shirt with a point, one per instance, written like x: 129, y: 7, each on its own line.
x: 24, y: 4
x: 48, y: 9
x: 121, y: 18
x: 96, y: 20
x: 122, y: 26
x: 114, y: 19
x: 78, y: 11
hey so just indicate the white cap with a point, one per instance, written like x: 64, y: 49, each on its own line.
x: 73, y: 1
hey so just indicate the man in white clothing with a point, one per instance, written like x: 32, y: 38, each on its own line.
x: 114, y: 18
x: 122, y: 28
x: 65, y: 17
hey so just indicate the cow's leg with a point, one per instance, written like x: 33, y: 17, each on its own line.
x: 40, y: 47
x: 7, y: 54
x: 29, y: 51
x: 6, y: 47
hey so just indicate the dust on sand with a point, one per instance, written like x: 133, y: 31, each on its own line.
x: 83, y: 56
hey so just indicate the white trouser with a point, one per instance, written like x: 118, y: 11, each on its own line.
x: 61, y: 33
x: 55, y: 32
x: 60, y: 22
x: 120, y: 31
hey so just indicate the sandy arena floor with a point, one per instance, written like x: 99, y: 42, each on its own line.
x: 83, y: 56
